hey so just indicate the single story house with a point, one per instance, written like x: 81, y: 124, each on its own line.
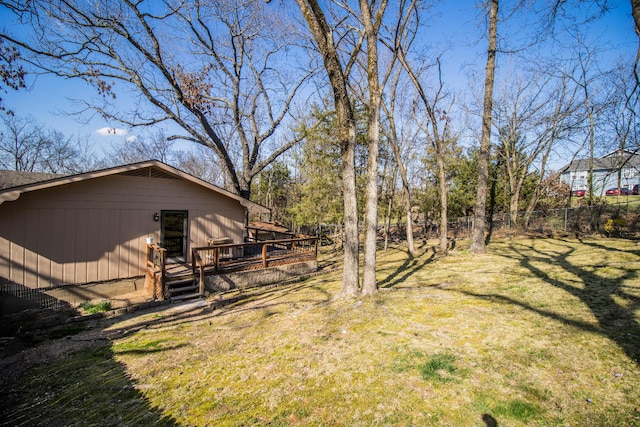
x: 618, y: 168
x: 74, y: 238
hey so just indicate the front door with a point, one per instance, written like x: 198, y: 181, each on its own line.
x: 174, y: 234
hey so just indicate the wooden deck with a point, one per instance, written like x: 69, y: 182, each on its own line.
x: 224, y: 258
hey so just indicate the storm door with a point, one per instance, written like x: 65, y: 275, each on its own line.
x: 174, y: 234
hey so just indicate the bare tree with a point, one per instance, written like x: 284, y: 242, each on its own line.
x: 357, y: 28
x: 200, y: 163
x: 516, y: 110
x: 338, y: 78
x: 435, y: 129
x: 142, y: 148
x: 400, y: 136
x: 216, y: 69
x: 372, y: 20
x: 586, y: 75
x: 480, y: 211
x: 635, y: 14
x: 557, y: 123
x: 621, y: 111
x: 28, y: 147
x: 21, y: 144
x: 534, y: 112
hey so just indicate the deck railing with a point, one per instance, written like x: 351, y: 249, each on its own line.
x: 253, y: 255
x: 225, y: 258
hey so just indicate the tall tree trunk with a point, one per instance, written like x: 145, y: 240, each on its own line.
x: 350, y: 275
x: 479, y: 223
x: 409, y: 232
x: 590, y: 198
x: 437, y: 143
x: 442, y: 177
x: 635, y: 12
x: 371, y: 25
x: 387, y: 222
x: 514, y: 205
x: 323, y: 36
x: 393, y: 137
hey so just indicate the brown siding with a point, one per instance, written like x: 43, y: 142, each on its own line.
x: 95, y: 230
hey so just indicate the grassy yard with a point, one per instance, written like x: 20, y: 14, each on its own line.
x: 633, y: 201
x: 537, y: 332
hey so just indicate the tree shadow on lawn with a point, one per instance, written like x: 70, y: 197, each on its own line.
x: 596, y: 292
x: 87, y: 387
x: 409, y: 267
x: 76, y: 379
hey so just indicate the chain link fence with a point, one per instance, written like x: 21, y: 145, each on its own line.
x: 614, y: 220
x: 610, y: 220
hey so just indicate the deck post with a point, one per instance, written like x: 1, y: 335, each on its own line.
x: 216, y: 258
x: 201, y: 280
x: 165, y: 289
x: 264, y: 255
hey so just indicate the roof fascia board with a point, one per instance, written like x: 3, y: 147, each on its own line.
x: 14, y: 193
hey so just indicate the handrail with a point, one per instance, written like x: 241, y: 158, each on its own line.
x: 259, y: 242
x: 241, y: 254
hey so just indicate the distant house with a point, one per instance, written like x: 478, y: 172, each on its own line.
x: 75, y: 237
x: 616, y: 168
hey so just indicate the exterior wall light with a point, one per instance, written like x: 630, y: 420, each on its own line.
x: 156, y: 217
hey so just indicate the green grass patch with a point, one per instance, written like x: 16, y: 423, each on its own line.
x: 517, y: 409
x: 145, y: 346
x: 439, y: 368
x: 92, y: 308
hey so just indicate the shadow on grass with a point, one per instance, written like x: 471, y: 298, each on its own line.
x: 88, y: 387
x: 598, y: 293
x: 77, y: 380
x: 409, y: 267
x: 489, y: 421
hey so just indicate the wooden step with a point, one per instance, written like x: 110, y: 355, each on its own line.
x: 185, y: 296
x: 183, y: 289
x: 180, y: 281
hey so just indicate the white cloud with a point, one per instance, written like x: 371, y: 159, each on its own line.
x: 111, y: 132
x: 131, y: 138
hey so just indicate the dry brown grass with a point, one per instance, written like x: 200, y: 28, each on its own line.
x: 535, y: 332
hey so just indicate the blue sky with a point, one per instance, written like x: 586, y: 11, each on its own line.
x: 453, y: 31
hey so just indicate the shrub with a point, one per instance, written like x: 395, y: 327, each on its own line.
x: 615, y: 227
